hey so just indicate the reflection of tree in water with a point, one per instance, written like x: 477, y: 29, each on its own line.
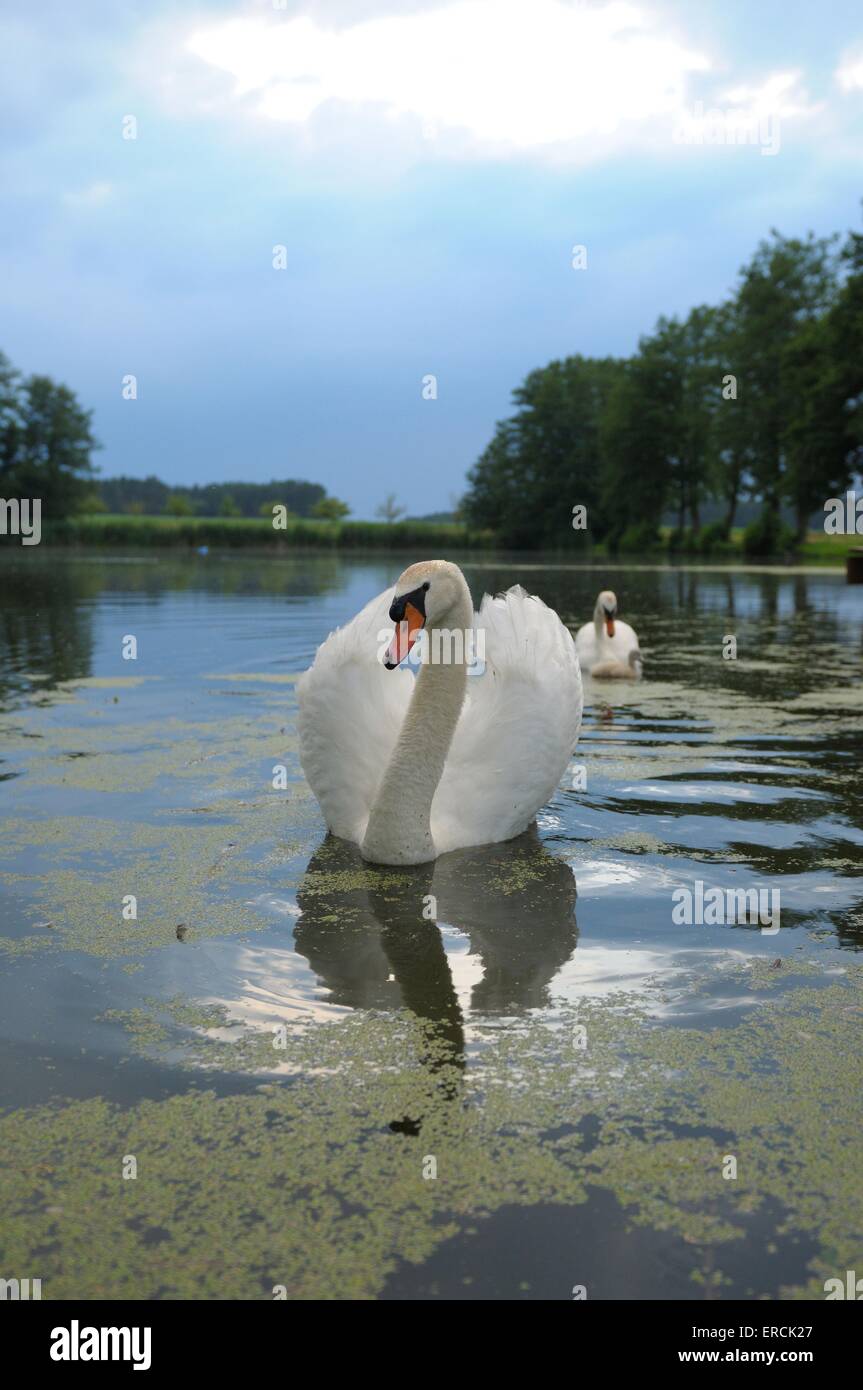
x: 46, y: 624
x: 364, y: 933
x: 782, y: 629
x: 849, y: 926
x: 221, y: 572
x: 48, y: 599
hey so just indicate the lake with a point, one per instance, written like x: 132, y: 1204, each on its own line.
x: 238, y: 1062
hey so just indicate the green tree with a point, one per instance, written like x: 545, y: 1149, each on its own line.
x: 545, y: 459
x: 331, y: 509
x: 92, y: 504
x: 822, y: 370
x: 846, y: 322
x: 637, y: 448
x: 45, y: 442
x: 228, y: 507
x: 11, y: 423
x: 817, y: 450
x: 788, y: 283
x: 695, y: 346
x: 732, y: 455
x: 178, y: 504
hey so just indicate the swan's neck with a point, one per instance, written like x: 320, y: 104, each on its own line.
x: 399, y: 828
x: 599, y: 623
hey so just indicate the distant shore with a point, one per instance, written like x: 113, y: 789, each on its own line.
x: 102, y: 531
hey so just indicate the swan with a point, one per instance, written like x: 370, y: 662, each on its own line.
x: 606, y: 638
x: 411, y: 768
x: 628, y: 670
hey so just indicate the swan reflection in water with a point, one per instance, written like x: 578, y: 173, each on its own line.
x: 373, y: 935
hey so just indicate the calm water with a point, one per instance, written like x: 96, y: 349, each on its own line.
x: 325, y: 1093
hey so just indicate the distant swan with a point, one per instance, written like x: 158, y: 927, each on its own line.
x: 606, y: 639
x: 410, y: 769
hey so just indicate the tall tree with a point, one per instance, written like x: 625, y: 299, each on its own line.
x: 847, y: 329
x: 46, y: 444
x: 822, y: 369
x: 788, y: 283
x: 637, y: 443
x: 817, y: 450
x: 732, y: 455
x: 545, y: 459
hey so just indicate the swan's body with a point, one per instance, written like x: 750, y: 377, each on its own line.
x: 605, y: 639
x: 614, y: 670
x: 410, y: 768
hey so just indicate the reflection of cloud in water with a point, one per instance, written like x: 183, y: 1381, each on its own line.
x: 662, y: 980
x: 719, y: 791
x: 465, y: 967
x: 601, y: 874
x: 258, y: 985
x: 599, y: 968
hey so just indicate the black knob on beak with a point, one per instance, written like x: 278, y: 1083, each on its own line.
x: 417, y: 600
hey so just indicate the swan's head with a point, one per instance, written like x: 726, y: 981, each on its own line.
x: 424, y: 596
x: 606, y: 610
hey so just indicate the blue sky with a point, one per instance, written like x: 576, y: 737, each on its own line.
x: 428, y: 168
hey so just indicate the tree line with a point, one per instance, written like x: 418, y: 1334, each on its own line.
x: 152, y: 497
x: 758, y: 398
x: 46, y: 443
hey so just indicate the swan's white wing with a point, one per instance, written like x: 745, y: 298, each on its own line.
x: 350, y: 712
x: 518, y: 727
x: 585, y: 644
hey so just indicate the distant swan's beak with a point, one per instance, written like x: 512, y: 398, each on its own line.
x: 609, y: 625
x: 405, y: 635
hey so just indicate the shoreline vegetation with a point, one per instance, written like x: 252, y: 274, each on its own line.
x: 753, y: 403
x: 99, y: 530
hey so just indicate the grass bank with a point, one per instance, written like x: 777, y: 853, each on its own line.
x: 233, y: 533
x: 236, y: 533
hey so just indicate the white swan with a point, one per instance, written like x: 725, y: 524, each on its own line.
x: 411, y: 768
x: 606, y: 639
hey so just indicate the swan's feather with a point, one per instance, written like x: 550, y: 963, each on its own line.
x: 350, y: 712
x: 518, y: 726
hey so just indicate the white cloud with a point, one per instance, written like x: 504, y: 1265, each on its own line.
x: 511, y: 75
x: 849, y: 74
x: 92, y: 196
x: 779, y: 95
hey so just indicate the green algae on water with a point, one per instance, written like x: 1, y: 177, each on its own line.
x: 305, y: 1184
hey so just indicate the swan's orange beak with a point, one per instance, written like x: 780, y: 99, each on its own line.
x: 609, y: 626
x: 404, y: 636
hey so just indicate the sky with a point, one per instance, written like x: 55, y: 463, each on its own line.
x: 329, y: 239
